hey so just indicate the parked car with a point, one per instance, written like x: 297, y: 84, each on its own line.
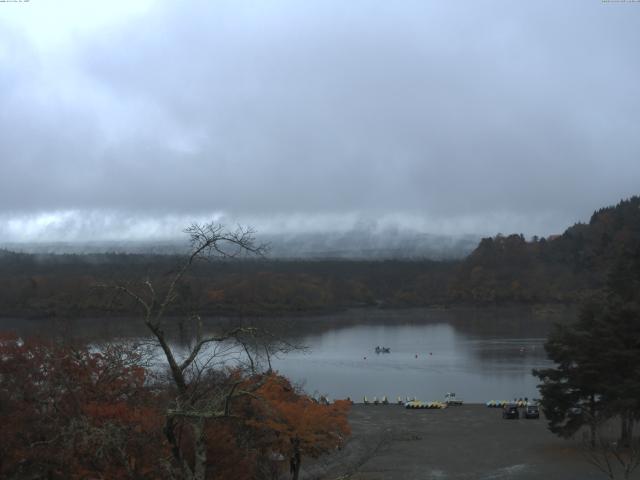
x: 510, y: 411
x: 532, y: 411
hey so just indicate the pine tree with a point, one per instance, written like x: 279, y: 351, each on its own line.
x: 598, y: 359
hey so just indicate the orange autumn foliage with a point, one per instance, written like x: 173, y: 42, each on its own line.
x: 293, y: 425
x: 71, y: 413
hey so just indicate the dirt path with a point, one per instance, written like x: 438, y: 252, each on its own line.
x: 468, y: 442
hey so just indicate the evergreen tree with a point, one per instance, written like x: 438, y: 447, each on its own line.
x: 572, y: 392
x: 598, y: 359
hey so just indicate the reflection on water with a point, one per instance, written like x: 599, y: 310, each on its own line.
x: 425, y: 361
x: 480, y: 354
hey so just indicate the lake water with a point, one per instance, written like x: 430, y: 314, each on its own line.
x: 480, y: 354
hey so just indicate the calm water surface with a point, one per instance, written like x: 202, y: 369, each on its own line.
x: 481, y: 354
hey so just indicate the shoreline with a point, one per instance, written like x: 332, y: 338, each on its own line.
x: 465, y: 442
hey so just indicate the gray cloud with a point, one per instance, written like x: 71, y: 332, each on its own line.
x: 458, y: 117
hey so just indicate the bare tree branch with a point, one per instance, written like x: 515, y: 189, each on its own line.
x: 199, y: 397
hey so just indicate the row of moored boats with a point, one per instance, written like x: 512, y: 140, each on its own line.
x: 520, y: 402
x: 449, y: 400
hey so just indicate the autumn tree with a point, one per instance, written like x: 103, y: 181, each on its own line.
x: 68, y: 412
x: 78, y: 412
x: 293, y: 425
x: 198, y: 399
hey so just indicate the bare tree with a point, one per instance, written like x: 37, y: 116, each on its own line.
x: 612, y: 458
x: 201, y: 393
x: 262, y: 344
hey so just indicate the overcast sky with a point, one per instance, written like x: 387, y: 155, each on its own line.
x: 129, y: 119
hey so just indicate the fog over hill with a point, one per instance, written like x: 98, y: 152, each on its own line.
x: 362, y: 245
x: 349, y: 245
x: 125, y: 118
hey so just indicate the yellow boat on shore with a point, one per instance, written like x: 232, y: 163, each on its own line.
x: 417, y: 404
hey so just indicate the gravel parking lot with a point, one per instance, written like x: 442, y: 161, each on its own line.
x: 467, y: 442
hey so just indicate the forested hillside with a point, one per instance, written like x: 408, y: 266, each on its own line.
x: 562, y: 268
x: 62, y: 285
x: 502, y: 269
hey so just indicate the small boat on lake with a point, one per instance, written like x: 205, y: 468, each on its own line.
x: 380, y: 349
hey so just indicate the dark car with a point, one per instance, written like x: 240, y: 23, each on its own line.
x: 510, y: 411
x: 532, y: 411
